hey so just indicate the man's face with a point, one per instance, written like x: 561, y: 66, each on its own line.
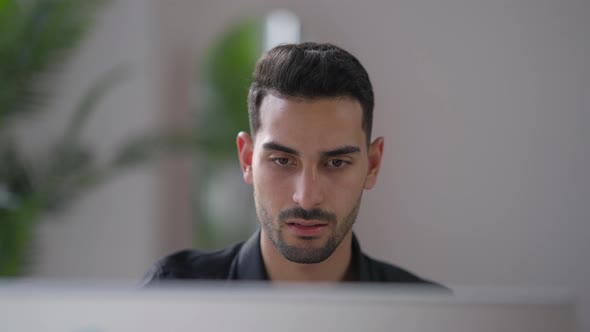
x: 309, y: 165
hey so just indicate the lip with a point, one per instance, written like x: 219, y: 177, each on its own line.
x: 307, y: 223
x: 307, y: 228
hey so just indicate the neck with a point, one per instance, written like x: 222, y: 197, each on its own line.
x: 333, y: 269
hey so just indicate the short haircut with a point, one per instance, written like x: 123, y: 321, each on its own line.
x: 310, y: 71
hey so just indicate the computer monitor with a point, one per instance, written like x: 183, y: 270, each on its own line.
x: 279, y: 307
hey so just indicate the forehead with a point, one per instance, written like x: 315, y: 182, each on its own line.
x: 322, y: 122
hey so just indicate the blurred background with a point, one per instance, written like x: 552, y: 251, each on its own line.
x: 483, y: 105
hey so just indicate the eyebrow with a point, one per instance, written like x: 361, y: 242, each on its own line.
x: 347, y: 149
x: 341, y: 151
x: 279, y: 147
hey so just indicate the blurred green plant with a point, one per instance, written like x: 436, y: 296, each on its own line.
x: 227, y: 77
x: 36, y: 38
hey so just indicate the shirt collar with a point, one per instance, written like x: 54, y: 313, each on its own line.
x: 248, y: 264
x: 359, y: 268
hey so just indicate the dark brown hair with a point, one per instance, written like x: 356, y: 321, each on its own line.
x: 310, y: 71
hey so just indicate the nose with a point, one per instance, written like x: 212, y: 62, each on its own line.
x: 308, y: 192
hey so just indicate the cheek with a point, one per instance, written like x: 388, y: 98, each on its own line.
x: 343, y: 190
x: 345, y: 186
x: 272, y: 189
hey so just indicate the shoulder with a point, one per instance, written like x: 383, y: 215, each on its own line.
x: 193, y: 264
x: 385, y: 272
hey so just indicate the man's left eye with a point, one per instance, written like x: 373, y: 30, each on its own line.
x: 336, y: 163
x: 281, y: 161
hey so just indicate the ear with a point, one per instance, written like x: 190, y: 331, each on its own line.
x: 245, y: 151
x: 375, y: 154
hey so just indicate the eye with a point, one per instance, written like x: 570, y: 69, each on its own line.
x: 337, y: 163
x: 281, y: 161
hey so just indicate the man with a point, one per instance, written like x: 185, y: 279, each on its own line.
x: 309, y: 158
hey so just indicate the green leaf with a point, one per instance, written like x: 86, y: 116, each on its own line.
x: 16, y: 233
x: 228, y: 75
x: 36, y: 39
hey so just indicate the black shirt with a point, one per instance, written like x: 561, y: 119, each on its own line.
x: 243, y: 261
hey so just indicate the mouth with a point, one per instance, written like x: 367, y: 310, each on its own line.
x: 307, y: 228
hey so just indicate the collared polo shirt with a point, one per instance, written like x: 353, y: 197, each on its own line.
x: 243, y: 261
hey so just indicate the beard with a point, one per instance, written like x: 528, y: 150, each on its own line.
x: 309, y: 254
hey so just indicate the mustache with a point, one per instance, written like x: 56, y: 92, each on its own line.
x: 313, y: 214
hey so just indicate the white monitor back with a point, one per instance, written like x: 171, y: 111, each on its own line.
x: 260, y: 308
